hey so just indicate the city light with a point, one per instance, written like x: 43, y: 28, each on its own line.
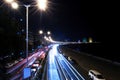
x: 40, y: 32
x: 42, y: 4
x: 9, y: 1
x: 14, y: 5
x: 48, y: 33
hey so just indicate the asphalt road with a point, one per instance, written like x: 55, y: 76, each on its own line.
x: 59, y: 68
x: 85, y: 62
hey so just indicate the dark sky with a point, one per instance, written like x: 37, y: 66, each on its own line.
x: 73, y: 20
x: 70, y: 19
x: 81, y: 18
x: 76, y: 19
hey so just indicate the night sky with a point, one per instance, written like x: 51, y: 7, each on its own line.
x: 75, y: 19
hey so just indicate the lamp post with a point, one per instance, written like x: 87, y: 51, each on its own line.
x: 27, y: 6
x: 42, y: 4
x: 27, y: 9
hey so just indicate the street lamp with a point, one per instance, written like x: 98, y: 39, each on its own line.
x: 48, y: 32
x: 40, y: 32
x: 42, y: 4
x: 9, y: 1
x: 27, y: 6
x: 14, y: 5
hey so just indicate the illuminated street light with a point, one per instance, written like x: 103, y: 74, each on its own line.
x: 14, y: 5
x: 9, y: 1
x: 48, y: 33
x: 40, y: 32
x: 46, y: 38
x: 42, y: 4
x: 50, y: 39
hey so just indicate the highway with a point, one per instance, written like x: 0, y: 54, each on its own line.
x: 110, y: 70
x: 59, y: 68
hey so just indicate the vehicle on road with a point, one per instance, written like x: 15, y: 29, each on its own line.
x: 95, y: 75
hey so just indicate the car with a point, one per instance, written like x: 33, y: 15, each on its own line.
x: 95, y: 75
x: 8, y: 65
x: 35, y: 65
x: 33, y: 69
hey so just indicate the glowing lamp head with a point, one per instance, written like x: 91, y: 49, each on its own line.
x: 40, y: 32
x: 9, y: 1
x: 14, y: 5
x: 42, y: 4
x: 48, y: 33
